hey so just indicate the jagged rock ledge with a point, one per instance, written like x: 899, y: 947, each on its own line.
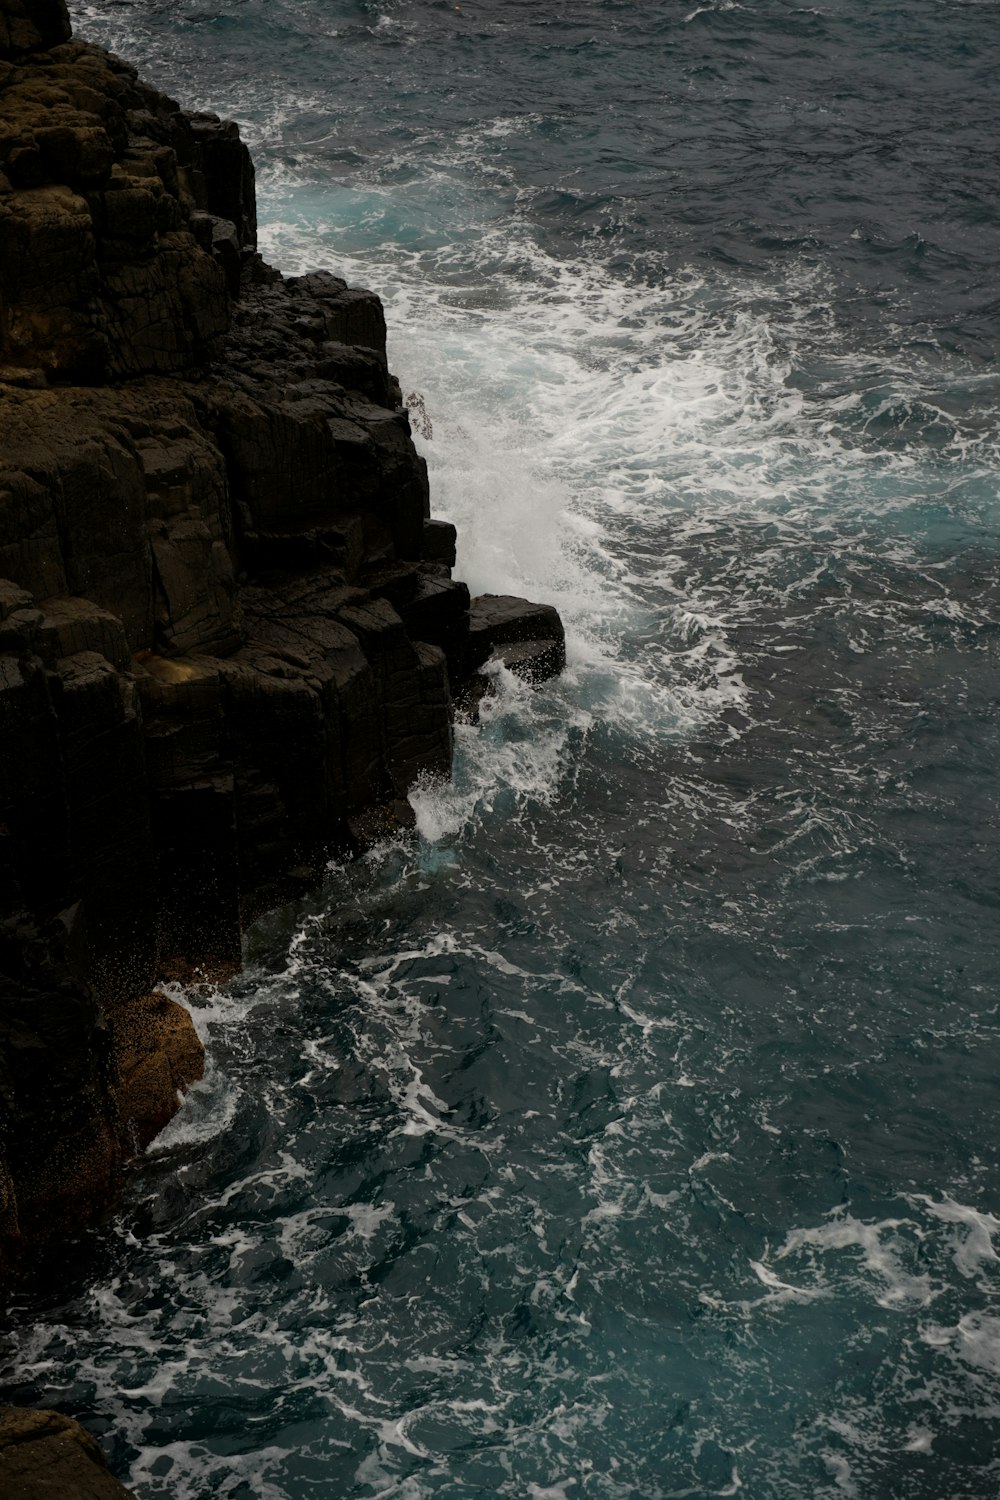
x: 230, y: 639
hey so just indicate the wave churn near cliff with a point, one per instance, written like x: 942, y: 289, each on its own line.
x: 230, y: 639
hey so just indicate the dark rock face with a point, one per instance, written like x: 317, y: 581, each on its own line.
x: 527, y: 639
x: 28, y: 25
x: 229, y: 635
x: 44, y: 1454
x: 499, y: 621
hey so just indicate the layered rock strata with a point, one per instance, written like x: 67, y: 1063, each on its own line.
x: 230, y: 639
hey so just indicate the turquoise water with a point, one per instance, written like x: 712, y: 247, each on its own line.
x: 634, y: 1133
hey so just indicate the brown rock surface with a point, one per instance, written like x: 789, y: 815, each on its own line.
x: 158, y: 1056
x: 46, y: 1456
x: 103, y: 275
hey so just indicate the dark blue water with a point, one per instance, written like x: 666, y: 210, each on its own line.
x: 635, y: 1133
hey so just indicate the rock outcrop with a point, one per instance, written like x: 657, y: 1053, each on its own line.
x: 44, y: 1455
x: 230, y: 640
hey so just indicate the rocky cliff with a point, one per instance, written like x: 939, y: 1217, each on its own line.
x: 229, y: 635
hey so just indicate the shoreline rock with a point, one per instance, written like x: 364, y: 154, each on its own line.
x: 43, y: 1454
x: 230, y: 639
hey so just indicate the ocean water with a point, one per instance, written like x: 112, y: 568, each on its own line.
x: 634, y: 1132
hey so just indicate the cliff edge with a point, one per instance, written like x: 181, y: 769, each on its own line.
x: 230, y: 638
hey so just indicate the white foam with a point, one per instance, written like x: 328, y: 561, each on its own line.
x: 973, y: 1243
x: 191, y: 1469
x: 881, y: 1251
x: 786, y: 1291
x: 974, y: 1339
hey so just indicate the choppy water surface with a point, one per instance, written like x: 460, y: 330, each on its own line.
x: 635, y: 1133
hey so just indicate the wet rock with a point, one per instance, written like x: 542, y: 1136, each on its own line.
x: 535, y: 661
x: 500, y: 620
x: 527, y: 639
x: 159, y: 1056
x: 44, y: 1455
